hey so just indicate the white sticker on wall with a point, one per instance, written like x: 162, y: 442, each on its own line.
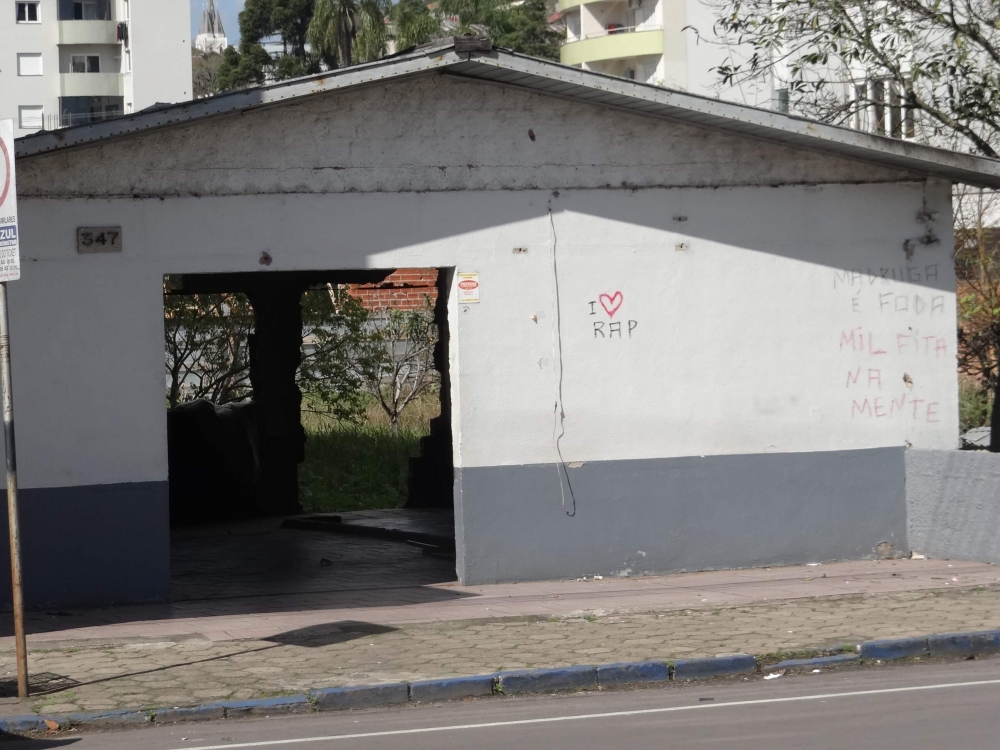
x: 468, y: 287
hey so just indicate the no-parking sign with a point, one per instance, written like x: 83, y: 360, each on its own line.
x: 10, y: 257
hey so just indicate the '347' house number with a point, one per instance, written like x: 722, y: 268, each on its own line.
x: 99, y: 239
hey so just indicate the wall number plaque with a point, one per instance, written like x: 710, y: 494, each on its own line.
x: 99, y: 239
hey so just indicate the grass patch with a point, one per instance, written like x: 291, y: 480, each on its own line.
x: 361, y: 466
x: 974, y: 407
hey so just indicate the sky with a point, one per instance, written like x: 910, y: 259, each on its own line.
x: 229, y: 9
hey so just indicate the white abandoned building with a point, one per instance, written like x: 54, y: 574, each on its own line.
x: 727, y: 338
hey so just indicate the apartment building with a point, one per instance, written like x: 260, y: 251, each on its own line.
x: 663, y: 42
x: 72, y: 62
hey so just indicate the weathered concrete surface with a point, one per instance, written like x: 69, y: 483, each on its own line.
x: 953, y: 504
x: 668, y: 515
x: 443, y: 134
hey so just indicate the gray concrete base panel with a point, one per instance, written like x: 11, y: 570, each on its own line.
x: 953, y: 504
x: 100, y: 544
x: 667, y: 515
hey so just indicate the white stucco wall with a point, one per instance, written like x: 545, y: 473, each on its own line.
x: 743, y: 297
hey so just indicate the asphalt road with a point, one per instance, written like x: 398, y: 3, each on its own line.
x: 954, y: 705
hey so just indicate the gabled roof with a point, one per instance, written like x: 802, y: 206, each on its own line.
x: 501, y: 66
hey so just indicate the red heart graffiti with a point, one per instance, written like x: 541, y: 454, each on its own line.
x: 611, y: 303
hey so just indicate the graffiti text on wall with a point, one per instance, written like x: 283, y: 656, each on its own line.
x: 610, y: 303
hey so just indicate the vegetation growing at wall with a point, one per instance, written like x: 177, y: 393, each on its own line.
x: 977, y: 264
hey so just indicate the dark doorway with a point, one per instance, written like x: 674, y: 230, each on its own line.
x: 279, y: 382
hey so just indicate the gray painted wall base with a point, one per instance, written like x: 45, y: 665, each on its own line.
x: 673, y: 514
x: 953, y: 504
x: 102, y: 544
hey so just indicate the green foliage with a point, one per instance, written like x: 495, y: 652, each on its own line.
x: 350, y: 31
x: 527, y: 31
x: 977, y: 264
x: 356, y: 467
x: 974, y: 407
x: 492, y: 17
x: 335, y: 327
x: 413, y: 24
x: 361, y: 466
x: 341, y: 33
x: 940, y: 57
x: 251, y: 65
x: 244, y: 67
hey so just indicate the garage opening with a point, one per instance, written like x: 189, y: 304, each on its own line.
x: 309, y: 431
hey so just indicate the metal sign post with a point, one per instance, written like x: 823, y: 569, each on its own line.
x: 10, y: 270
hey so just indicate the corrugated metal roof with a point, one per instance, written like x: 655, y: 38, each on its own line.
x: 511, y: 69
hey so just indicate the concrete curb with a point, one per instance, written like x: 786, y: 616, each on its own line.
x: 893, y: 648
x: 719, y: 666
x: 505, y: 683
x: 453, y: 688
x: 819, y: 661
x: 543, y: 680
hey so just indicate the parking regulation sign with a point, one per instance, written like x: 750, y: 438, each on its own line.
x: 10, y: 257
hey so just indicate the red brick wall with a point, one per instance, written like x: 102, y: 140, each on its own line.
x: 405, y: 289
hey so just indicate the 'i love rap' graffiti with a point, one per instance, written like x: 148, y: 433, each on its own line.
x: 607, y: 305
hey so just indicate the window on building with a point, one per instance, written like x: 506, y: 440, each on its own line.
x: 85, y: 64
x: 29, y: 63
x: 80, y: 110
x: 26, y: 12
x: 30, y: 117
x: 781, y: 100
x: 85, y: 10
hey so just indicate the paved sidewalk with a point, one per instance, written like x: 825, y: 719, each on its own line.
x: 194, y: 652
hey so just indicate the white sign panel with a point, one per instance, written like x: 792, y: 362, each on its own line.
x: 10, y: 259
x: 468, y: 287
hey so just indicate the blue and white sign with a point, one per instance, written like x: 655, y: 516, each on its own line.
x: 10, y: 257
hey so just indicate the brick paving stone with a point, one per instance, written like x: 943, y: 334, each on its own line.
x: 185, y: 670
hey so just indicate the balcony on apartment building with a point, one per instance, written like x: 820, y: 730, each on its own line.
x: 87, y: 22
x: 612, y: 30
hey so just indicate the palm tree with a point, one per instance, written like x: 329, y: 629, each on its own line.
x: 413, y: 24
x: 350, y: 31
x: 479, y: 16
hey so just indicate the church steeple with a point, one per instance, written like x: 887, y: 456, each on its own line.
x: 211, y: 36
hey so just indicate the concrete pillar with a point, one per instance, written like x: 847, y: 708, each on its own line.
x: 432, y: 476
x: 275, y: 355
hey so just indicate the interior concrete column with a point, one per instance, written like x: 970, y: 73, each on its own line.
x: 275, y: 356
x: 432, y: 475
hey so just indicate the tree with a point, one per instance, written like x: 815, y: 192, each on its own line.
x: 938, y: 60
x: 350, y: 31
x: 205, y: 72
x: 528, y: 31
x: 977, y: 264
x: 413, y: 24
x: 491, y: 17
x: 335, y: 327
x: 207, y: 355
x: 251, y: 65
x: 396, y: 358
